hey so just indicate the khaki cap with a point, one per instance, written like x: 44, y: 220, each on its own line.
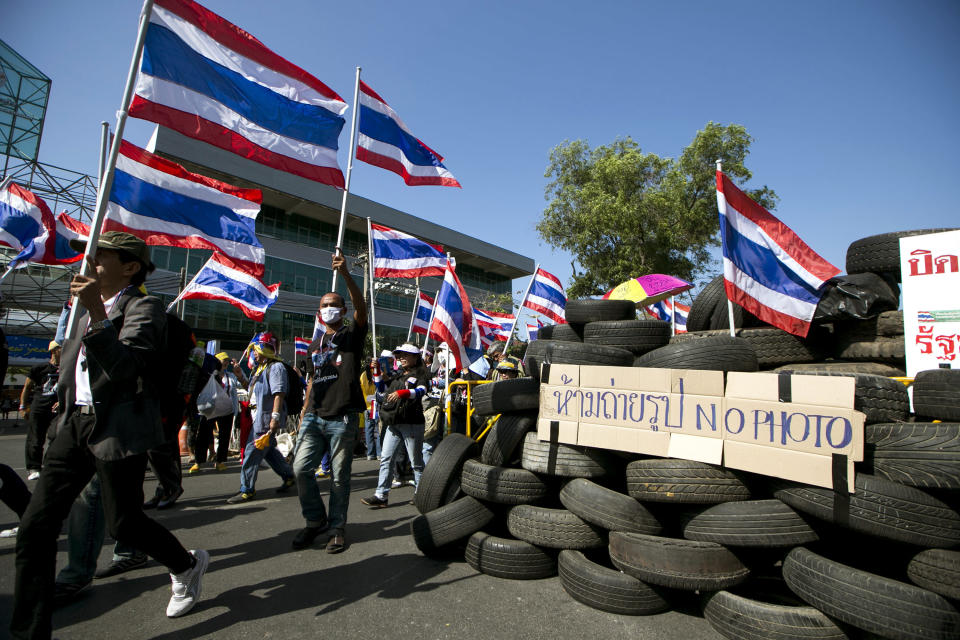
x: 119, y: 241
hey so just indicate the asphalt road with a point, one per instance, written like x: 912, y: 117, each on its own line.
x: 380, y: 587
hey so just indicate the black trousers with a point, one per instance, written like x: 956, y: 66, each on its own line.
x: 68, y: 467
x: 165, y: 460
x: 13, y: 490
x: 205, y: 436
x: 36, y: 433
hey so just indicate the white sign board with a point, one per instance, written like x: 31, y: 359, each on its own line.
x: 930, y: 272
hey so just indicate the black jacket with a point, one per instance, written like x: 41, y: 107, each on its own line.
x: 405, y: 410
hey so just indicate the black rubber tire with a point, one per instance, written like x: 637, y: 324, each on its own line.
x: 553, y: 528
x: 709, y: 310
x: 449, y: 523
x: 880, y: 253
x: 683, y: 481
x: 507, y: 558
x: 839, y: 366
x: 500, y: 485
x: 880, y: 399
x: 936, y: 394
x: 773, y: 347
x: 506, y: 396
x: 879, y: 508
x: 540, y: 351
x: 561, y: 333
x: 607, y: 589
x: 590, y: 310
x: 936, y: 570
x: 886, y: 324
x: 636, y: 336
x: 880, y: 349
x: 870, y: 602
x: 738, y: 618
x: 607, y: 508
x: 917, y: 454
x: 752, y: 523
x: 501, y: 447
x: 564, y: 460
x: 716, y: 353
x: 674, y: 563
x: 440, y: 481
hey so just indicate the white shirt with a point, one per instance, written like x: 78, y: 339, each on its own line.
x: 81, y: 374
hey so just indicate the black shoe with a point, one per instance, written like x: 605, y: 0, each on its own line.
x: 374, y: 501
x: 66, y: 592
x: 122, y: 566
x: 155, y: 500
x: 306, y: 536
x: 243, y: 496
x: 168, y: 500
x: 289, y: 482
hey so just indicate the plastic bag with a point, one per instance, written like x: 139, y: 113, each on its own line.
x: 856, y: 297
x: 213, y: 401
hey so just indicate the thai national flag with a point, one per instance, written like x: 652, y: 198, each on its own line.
x: 487, y: 326
x: 453, y: 320
x: 664, y: 308
x: 165, y: 204
x: 421, y: 320
x: 400, y: 255
x: 505, y: 323
x: 211, y: 80
x: 386, y: 142
x: 546, y: 296
x: 533, y: 330
x: 767, y: 269
x: 28, y: 226
x: 300, y: 346
x: 221, y: 279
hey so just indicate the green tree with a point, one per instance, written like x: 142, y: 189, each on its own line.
x: 623, y: 213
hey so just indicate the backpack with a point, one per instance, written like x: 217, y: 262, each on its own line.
x: 295, y: 388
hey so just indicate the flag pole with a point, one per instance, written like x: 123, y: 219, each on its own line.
x: 733, y: 329
x: 103, y: 190
x: 373, y: 302
x: 433, y: 312
x: 179, y: 295
x: 413, y: 315
x: 516, y: 318
x: 338, y: 248
x: 104, y: 147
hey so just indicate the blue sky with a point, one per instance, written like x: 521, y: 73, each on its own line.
x: 853, y: 105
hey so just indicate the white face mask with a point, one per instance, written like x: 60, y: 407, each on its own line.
x: 330, y: 315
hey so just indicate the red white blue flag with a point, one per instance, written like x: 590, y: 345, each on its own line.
x: 400, y: 255
x: 533, y: 330
x: 453, y: 320
x: 421, y: 319
x: 210, y: 80
x: 546, y: 296
x: 767, y: 269
x: 386, y: 142
x: 300, y: 346
x: 662, y: 310
x: 221, y: 279
x: 28, y: 226
x: 164, y: 204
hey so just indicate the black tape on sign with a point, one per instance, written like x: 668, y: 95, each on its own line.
x: 841, y: 494
x: 784, y: 390
x: 554, y: 431
x: 554, y: 447
x: 545, y: 373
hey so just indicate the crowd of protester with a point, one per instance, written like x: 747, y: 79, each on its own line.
x: 96, y: 418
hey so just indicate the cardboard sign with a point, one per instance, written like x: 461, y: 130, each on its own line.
x: 790, y: 426
x: 930, y: 272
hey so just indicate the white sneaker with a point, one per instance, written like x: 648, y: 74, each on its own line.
x: 33, y: 475
x: 396, y: 484
x: 9, y: 533
x: 188, y: 585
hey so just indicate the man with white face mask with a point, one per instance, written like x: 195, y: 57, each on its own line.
x: 329, y: 422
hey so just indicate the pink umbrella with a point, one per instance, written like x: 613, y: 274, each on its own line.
x: 648, y: 289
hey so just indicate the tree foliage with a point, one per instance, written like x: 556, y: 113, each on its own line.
x: 624, y: 213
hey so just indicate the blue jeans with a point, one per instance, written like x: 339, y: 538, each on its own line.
x: 428, y: 446
x: 86, y: 530
x: 251, y: 463
x: 317, y: 437
x: 412, y: 436
x: 371, y: 437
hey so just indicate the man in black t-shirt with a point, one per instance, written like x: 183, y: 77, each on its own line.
x: 329, y: 422
x: 40, y: 391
